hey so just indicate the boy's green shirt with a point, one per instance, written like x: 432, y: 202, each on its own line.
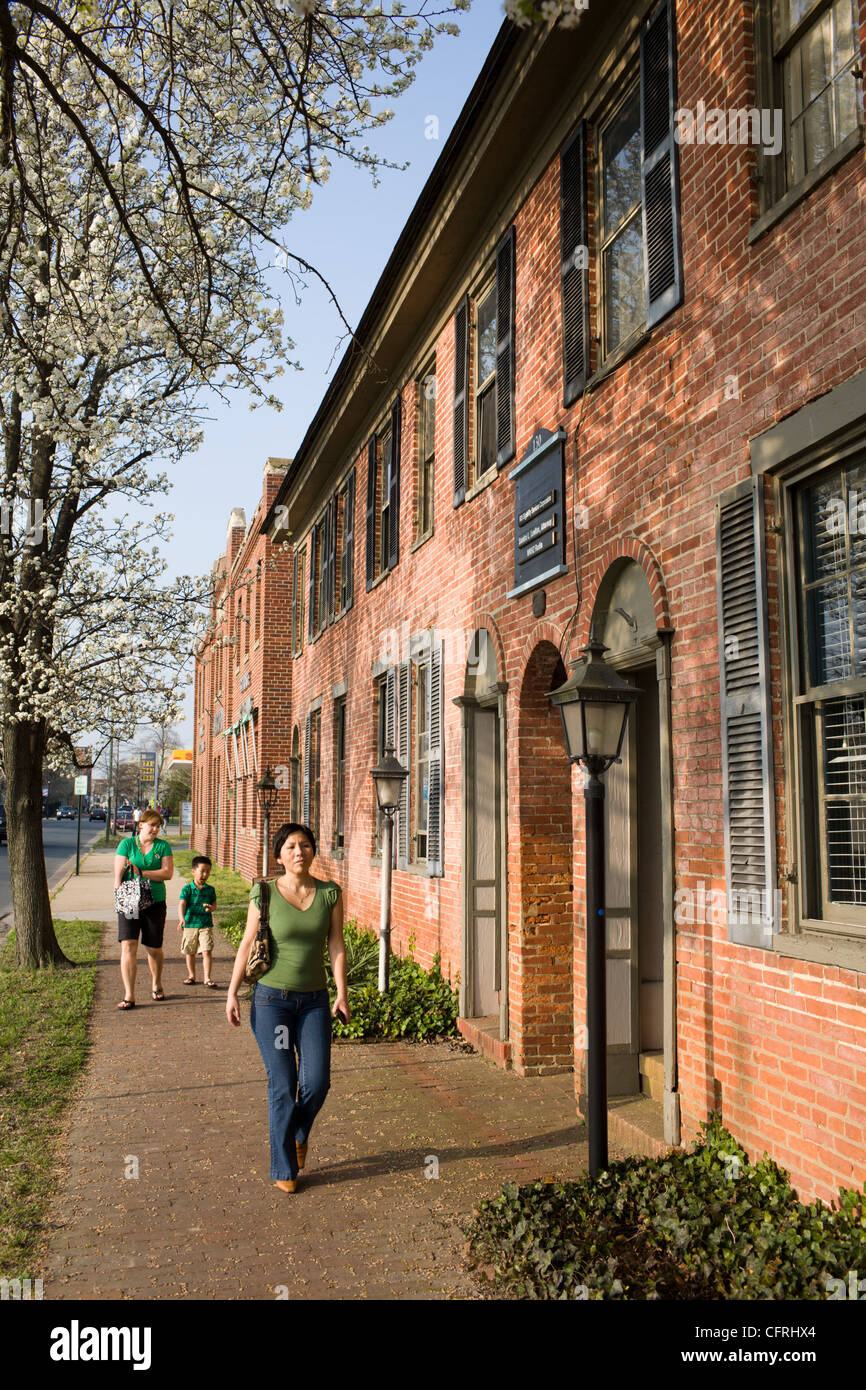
x: 195, y: 916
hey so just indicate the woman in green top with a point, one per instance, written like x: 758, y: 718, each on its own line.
x: 151, y: 858
x: 289, y: 1011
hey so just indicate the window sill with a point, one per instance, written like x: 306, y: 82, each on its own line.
x: 422, y: 540
x: 802, y: 190
x: 417, y: 870
x: 481, y: 483
x: 380, y: 579
x: 632, y: 344
x: 848, y: 953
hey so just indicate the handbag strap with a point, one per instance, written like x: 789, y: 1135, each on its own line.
x: 264, y: 903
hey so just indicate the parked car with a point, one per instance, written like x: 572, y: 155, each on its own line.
x: 96, y: 813
x: 2, y: 825
x: 65, y: 813
x: 124, y: 821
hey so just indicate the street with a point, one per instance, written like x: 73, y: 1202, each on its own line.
x: 58, y: 838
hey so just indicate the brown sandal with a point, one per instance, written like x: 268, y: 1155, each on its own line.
x: 127, y: 1004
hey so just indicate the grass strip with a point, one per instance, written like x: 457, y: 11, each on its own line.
x: 44, y: 1017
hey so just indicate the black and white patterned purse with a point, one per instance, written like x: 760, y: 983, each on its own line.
x: 134, y: 895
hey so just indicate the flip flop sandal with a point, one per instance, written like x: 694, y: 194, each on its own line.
x: 189, y: 982
x: 211, y: 984
x: 127, y: 1004
x: 158, y: 993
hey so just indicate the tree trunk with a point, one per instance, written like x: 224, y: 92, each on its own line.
x: 23, y: 752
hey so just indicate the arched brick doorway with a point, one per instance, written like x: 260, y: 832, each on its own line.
x: 541, y: 974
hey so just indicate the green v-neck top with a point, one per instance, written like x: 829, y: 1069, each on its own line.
x: 298, y: 938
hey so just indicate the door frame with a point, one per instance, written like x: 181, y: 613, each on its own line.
x: 657, y: 650
x: 493, y: 698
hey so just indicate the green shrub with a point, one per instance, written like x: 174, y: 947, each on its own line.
x: 419, y: 1005
x: 703, y: 1224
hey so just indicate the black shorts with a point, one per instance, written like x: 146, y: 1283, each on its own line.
x: 151, y: 924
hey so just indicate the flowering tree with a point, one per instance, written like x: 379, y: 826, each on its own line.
x: 149, y: 151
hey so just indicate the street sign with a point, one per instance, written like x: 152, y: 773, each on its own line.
x: 185, y: 817
x: 80, y: 786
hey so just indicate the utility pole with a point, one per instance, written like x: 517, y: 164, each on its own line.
x: 110, y: 772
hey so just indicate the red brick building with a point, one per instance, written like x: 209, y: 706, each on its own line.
x: 242, y: 688
x: 613, y: 375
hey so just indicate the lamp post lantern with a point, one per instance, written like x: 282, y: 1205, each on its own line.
x: 266, y: 791
x: 594, y: 703
x: 389, y: 777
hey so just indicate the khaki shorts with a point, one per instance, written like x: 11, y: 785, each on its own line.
x: 196, y: 939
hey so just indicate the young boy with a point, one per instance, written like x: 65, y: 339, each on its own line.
x: 197, y: 901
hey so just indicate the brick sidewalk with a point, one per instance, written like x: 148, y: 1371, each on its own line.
x: 171, y: 1085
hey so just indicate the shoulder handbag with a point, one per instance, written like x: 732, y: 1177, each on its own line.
x: 260, y: 952
x: 133, y: 895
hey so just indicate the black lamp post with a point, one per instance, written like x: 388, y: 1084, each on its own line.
x: 389, y: 777
x: 266, y: 791
x: 594, y: 703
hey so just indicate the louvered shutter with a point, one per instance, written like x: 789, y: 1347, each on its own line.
x: 505, y: 316
x: 311, y: 591
x: 305, y: 809
x: 404, y: 756
x: 461, y: 401
x: 295, y: 603
x: 331, y: 524
x: 747, y: 749
x: 391, y: 733
x: 575, y: 267
x: 349, y: 545
x: 394, y: 483
x: 371, y: 510
x: 659, y: 169
x: 435, y: 856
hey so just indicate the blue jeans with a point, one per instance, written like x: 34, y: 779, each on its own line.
x: 283, y: 1021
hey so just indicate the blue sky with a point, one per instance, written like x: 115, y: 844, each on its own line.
x: 348, y: 234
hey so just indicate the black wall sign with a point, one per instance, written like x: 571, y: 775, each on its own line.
x: 539, y: 509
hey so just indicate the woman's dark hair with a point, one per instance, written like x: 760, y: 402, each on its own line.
x: 292, y: 828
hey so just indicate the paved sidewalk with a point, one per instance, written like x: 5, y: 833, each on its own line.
x: 173, y: 1093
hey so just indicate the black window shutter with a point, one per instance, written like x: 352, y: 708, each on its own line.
x: 394, y: 483
x: 324, y: 564
x: 332, y: 556
x: 747, y: 735
x: 436, y: 799
x: 404, y: 688
x: 461, y: 401
x: 349, y: 544
x: 659, y: 166
x: 305, y: 809
x: 295, y: 603
x: 311, y: 594
x: 371, y: 510
x: 505, y: 316
x: 575, y: 270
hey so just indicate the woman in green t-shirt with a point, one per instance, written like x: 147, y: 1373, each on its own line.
x: 289, y: 1012
x: 151, y: 858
